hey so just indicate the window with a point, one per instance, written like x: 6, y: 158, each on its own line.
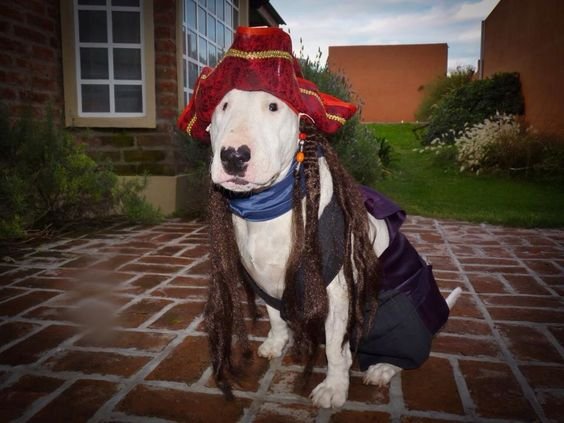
x: 109, y: 63
x: 207, y: 32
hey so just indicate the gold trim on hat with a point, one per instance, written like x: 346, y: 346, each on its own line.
x: 254, y: 55
x: 336, y: 118
x: 191, y: 125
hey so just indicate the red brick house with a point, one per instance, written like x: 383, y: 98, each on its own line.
x: 389, y: 79
x: 117, y: 72
x: 526, y: 36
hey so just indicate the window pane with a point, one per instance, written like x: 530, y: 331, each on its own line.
x: 203, y: 51
x: 92, y: 26
x: 201, y: 21
x: 129, y: 99
x: 95, y: 98
x: 228, y: 15
x: 185, y: 98
x: 220, y: 35
x: 235, y: 18
x: 220, y: 53
x: 211, y: 6
x: 236, y: 3
x: 184, y: 51
x: 191, y: 14
x: 228, y: 38
x: 220, y: 9
x: 126, y: 27
x: 192, y: 74
x: 211, y: 27
x: 184, y: 75
x: 212, y: 55
x: 92, y: 2
x: 192, y: 47
x: 94, y: 63
x: 129, y: 3
x: 127, y: 63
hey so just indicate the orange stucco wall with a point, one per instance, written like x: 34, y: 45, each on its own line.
x: 389, y: 79
x: 527, y: 36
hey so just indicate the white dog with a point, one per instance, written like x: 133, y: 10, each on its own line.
x: 254, y: 141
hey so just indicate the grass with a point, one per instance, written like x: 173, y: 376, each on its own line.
x: 423, y: 188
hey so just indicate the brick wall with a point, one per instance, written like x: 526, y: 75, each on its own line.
x: 30, y: 56
x: 389, y: 79
x: 526, y: 37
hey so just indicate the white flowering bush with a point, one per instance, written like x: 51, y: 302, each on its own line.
x: 478, y: 145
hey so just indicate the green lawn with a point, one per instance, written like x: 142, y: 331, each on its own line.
x: 422, y: 188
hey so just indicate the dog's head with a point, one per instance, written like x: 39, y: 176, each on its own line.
x: 254, y: 138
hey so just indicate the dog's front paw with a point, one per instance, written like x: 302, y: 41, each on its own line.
x: 330, y: 393
x: 380, y: 374
x: 272, y: 347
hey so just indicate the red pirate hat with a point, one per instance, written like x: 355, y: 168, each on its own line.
x: 261, y: 59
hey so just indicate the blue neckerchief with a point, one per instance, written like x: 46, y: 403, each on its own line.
x: 268, y: 204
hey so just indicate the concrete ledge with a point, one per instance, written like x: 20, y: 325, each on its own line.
x: 175, y: 194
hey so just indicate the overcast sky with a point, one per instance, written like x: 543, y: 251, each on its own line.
x: 323, y: 23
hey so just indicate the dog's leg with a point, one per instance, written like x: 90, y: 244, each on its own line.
x: 333, y: 391
x: 277, y: 336
x: 380, y: 374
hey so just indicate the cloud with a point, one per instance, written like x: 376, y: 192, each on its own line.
x: 366, y: 22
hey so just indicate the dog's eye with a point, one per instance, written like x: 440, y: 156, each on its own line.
x: 224, y: 106
x: 273, y: 107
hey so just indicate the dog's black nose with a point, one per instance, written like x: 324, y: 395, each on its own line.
x: 235, y: 161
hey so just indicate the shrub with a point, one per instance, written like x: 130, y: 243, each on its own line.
x: 363, y: 154
x: 132, y: 205
x: 501, y: 144
x: 472, y: 103
x: 46, y: 178
x: 440, y: 88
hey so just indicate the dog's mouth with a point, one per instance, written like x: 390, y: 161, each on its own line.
x: 239, y: 184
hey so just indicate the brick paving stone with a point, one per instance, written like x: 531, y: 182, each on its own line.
x: 202, y: 268
x: 38, y: 282
x: 7, y: 293
x: 527, y: 314
x: 524, y: 284
x: 543, y: 267
x: 466, y: 307
x: 196, y: 250
x: 523, y: 301
x: 16, y: 398
x: 183, y: 293
x: 179, y: 317
x: 138, y: 313
x: 77, y: 403
x: 558, y: 333
x: 144, y: 283
x: 285, y: 413
x: 432, y: 387
x: 486, y: 283
x: 182, y: 406
x: 10, y: 331
x: 360, y: 417
x: 529, y: 343
x: 461, y: 326
x: 185, y: 363
x: 16, y: 274
x: 495, y: 391
x: 142, y: 341
x: 30, y: 350
x: 151, y: 268
x: 553, y: 404
x: 103, y: 363
x: 19, y: 304
x: 189, y: 281
x: 544, y: 377
x: 370, y: 394
x: 464, y: 346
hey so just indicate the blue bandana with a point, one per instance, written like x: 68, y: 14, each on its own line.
x: 267, y: 204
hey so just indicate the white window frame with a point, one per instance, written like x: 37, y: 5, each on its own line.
x: 109, y: 47
x: 74, y: 116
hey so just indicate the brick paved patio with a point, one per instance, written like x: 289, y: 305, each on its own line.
x: 107, y: 326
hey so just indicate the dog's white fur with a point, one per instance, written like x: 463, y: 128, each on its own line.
x: 245, y: 118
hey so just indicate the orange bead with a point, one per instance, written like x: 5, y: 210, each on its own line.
x: 300, y: 156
